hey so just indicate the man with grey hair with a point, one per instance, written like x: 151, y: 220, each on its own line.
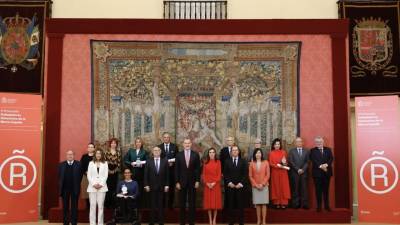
x: 69, y: 179
x: 257, y: 144
x: 321, y: 158
x: 156, y: 181
x: 298, y: 161
x: 225, y: 152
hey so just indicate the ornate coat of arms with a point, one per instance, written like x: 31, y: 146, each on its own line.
x: 19, y: 43
x: 372, y: 48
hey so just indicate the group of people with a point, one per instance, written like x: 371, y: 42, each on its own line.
x: 166, y: 169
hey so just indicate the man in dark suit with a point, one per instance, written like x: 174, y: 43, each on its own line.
x: 225, y: 152
x: 168, y: 151
x: 156, y: 181
x: 298, y: 161
x: 187, y: 177
x: 69, y: 179
x: 235, y: 177
x: 321, y: 158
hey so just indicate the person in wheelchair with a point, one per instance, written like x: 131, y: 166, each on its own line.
x: 126, y: 204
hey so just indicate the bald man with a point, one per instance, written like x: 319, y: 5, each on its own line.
x: 69, y: 178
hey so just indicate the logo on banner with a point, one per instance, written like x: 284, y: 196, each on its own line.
x: 19, y: 42
x: 379, y: 174
x: 17, y: 172
x: 373, y: 48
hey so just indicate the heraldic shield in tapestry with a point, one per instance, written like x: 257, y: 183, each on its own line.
x: 374, y: 46
x: 204, y: 91
x: 22, y: 45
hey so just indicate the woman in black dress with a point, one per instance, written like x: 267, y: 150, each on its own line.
x: 113, y: 158
x: 86, y: 158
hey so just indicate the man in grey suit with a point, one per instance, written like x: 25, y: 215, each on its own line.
x: 298, y: 160
x: 257, y: 144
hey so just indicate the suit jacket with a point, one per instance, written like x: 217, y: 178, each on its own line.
x: 297, y: 162
x: 187, y: 177
x: 131, y: 156
x: 77, y: 176
x: 156, y: 181
x: 318, y: 159
x: 95, y: 177
x: 235, y: 174
x: 224, y: 155
x: 260, y: 176
x: 173, y: 149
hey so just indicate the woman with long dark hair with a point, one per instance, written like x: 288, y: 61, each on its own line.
x: 211, y: 177
x: 280, y: 189
x: 259, y: 178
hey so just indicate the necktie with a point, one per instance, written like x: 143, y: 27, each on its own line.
x: 187, y: 157
x: 299, y: 150
x: 157, y: 165
x: 229, y: 149
x: 321, y: 150
x: 167, y: 148
x: 235, y: 162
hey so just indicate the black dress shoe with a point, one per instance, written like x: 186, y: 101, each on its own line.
x: 319, y: 209
x: 306, y: 207
x: 328, y: 209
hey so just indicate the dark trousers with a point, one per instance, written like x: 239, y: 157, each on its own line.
x: 126, y: 210
x: 299, y: 189
x: 70, y: 207
x: 142, y: 199
x: 235, y: 202
x: 322, y: 190
x: 112, y: 181
x: 187, y: 194
x: 170, y: 195
x: 156, y: 206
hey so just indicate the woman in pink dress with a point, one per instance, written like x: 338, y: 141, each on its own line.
x: 212, y: 188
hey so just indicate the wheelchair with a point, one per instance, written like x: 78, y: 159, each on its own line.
x: 125, y: 212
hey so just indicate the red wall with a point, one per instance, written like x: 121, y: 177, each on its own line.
x: 316, y: 99
x: 323, y: 79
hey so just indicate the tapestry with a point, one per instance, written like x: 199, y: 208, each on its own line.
x: 203, y: 91
x: 22, y: 45
x: 374, y: 45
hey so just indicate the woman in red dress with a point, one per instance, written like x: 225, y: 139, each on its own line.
x: 280, y: 189
x: 212, y: 188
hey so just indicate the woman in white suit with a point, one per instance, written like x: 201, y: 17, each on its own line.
x: 97, y: 176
